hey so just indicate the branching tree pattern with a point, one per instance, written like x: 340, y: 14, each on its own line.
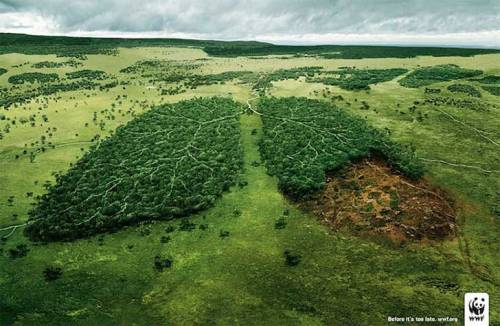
x: 304, y: 138
x: 172, y: 161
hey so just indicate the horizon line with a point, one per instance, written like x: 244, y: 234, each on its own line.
x: 282, y: 42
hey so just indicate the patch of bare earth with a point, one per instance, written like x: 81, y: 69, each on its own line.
x: 369, y: 199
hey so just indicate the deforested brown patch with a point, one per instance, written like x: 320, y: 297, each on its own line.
x: 370, y: 199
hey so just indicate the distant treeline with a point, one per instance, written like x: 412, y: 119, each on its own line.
x: 81, y: 46
x: 342, y: 51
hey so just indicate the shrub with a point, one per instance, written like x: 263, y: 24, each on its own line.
x: 21, y: 250
x: 280, y: 223
x: 223, y: 234
x: 52, y: 273
x: 161, y: 263
x: 187, y: 225
x: 165, y: 239
x: 170, y: 229
x: 291, y: 259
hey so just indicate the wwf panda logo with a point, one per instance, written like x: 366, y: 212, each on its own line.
x: 476, y: 306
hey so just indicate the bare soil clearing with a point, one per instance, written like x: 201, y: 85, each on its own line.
x: 369, y: 199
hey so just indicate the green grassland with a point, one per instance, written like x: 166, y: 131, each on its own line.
x: 229, y: 263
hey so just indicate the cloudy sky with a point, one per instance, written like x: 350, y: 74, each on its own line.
x: 429, y: 22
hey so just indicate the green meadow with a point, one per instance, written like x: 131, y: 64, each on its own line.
x: 230, y: 261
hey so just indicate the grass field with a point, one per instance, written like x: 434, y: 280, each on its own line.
x: 241, y: 277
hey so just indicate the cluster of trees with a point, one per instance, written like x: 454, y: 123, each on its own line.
x: 142, y: 66
x: 186, y: 80
x: 304, y: 138
x: 262, y: 83
x: 181, y: 73
x: 2, y: 71
x: 109, y: 85
x: 169, y: 77
x: 464, y: 88
x: 45, y: 90
x: 173, y: 90
x: 490, y: 79
x: 493, y: 90
x: 52, y: 64
x: 33, y: 77
x: 152, y: 68
x: 459, y: 103
x: 194, y: 81
x: 66, y: 87
x: 171, y: 161
x: 429, y: 75
x: 167, y: 71
x: 171, y: 72
x: 259, y: 82
x: 358, y: 79
x: 88, y: 74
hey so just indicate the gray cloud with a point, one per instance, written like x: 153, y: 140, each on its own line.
x: 259, y: 19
